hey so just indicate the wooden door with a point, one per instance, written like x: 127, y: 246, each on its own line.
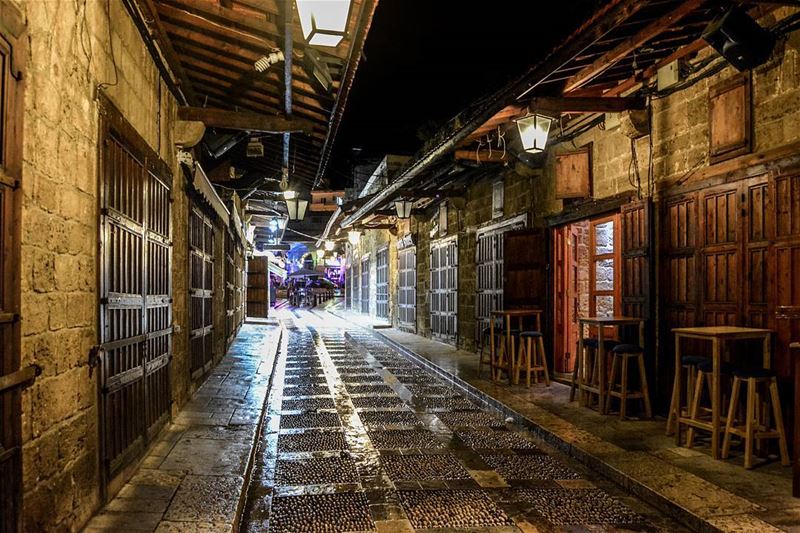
x: 257, y: 287
x: 604, y: 267
x: 525, y: 269
x: 11, y: 376
x: 135, y: 295
x: 201, y: 292
x: 489, y: 257
x: 565, y: 297
x: 784, y: 273
x: 720, y: 256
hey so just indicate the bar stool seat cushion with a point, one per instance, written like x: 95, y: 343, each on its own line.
x: 526, y: 334
x: 693, y: 360
x: 724, y: 368
x: 593, y: 343
x: 754, y: 373
x: 627, y: 348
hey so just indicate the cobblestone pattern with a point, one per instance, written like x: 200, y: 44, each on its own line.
x: 398, y: 463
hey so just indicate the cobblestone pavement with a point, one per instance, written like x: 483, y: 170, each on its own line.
x: 359, y: 438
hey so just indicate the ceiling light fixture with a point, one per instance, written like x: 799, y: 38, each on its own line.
x: 324, y: 22
x: 354, y: 236
x: 268, y: 60
x: 329, y: 245
x: 296, y: 207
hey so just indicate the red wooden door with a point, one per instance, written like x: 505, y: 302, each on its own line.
x: 784, y: 275
x: 720, y: 256
x: 565, y: 297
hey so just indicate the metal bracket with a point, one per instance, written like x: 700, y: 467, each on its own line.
x: 94, y: 358
x: 21, y: 378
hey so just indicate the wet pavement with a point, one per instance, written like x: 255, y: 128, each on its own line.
x: 357, y: 437
x: 194, y: 475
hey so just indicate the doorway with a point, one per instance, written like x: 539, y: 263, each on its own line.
x: 586, y: 281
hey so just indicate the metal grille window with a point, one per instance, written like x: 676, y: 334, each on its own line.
x: 365, y: 285
x: 348, y: 288
x: 201, y: 292
x: 489, y: 272
x: 444, y: 290
x: 135, y: 294
x: 407, y: 289
x: 382, y: 283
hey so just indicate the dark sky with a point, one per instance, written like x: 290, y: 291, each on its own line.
x: 427, y: 59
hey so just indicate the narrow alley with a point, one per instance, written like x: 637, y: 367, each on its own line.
x: 349, y: 266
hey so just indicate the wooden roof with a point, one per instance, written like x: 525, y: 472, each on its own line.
x: 213, y: 46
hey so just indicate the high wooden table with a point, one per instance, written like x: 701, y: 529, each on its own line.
x: 719, y: 337
x: 507, y: 315
x: 601, y: 323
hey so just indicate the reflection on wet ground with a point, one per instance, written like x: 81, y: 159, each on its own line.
x: 359, y: 438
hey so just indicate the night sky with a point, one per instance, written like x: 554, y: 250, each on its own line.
x: 427, y: 59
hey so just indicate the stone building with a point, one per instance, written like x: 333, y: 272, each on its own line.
x: 123, y: 266
x: 666, y: 156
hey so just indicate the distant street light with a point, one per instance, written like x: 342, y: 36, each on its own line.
x: 403, y: 208
x: 533, y: 131
x: 296, y: 207
x: 330, y: 245
x: 324, y: 22
x: 353, y: 236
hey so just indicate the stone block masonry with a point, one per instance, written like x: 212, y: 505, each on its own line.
x: 76, y: 49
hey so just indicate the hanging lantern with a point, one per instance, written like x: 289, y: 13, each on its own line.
x: 320, y: 254
x: 403, y: 208
x: 329, y: 245
x: 324, y: 22
x: 533, y: 131
x: 296, y: 208
x: 354, y: 236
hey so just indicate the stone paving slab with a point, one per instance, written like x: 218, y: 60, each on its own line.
x: 192, y: 479
x: 693, y: 500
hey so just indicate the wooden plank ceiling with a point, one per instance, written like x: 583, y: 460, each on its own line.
x: 655, y: 33
x: 217, y: 43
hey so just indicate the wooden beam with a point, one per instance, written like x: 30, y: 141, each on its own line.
x: 482, y: 157
x: 586, y: 104
x: 159, y: 34
x: 620, y: 51
x: 224, y: 118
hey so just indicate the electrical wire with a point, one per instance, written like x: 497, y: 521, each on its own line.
x: 105, y: 85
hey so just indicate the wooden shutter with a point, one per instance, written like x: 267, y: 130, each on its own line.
x: 525, y: 268
x: 257, y: 287
x: 637, y: 287
x: 135, y: 294
x: 574, y: 173
x: 729, y: 118
x: 12, y: 58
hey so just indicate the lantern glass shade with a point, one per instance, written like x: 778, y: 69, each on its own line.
x: 354, y: 236
x: 324, y: 22
x: 403, y: 208
x: 289, y: 195
x: 296, y: 208
x: 320, y: 254
x: 533, y: 131
x: 329, y: 245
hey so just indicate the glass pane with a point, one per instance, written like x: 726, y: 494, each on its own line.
x: 605, y: 305
x: 604, y: 237
x: 604, y: 275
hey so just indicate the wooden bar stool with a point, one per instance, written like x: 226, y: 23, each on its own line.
x: 622, y: 354
x: 589, y: 375
x: 676, y: 407
x: 505, y: 351
x: 486, y: 336
x: 531, y: 358
x: 698, y: 412
x: 755, y: 427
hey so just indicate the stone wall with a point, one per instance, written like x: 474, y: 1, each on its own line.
x: 69, y: 57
